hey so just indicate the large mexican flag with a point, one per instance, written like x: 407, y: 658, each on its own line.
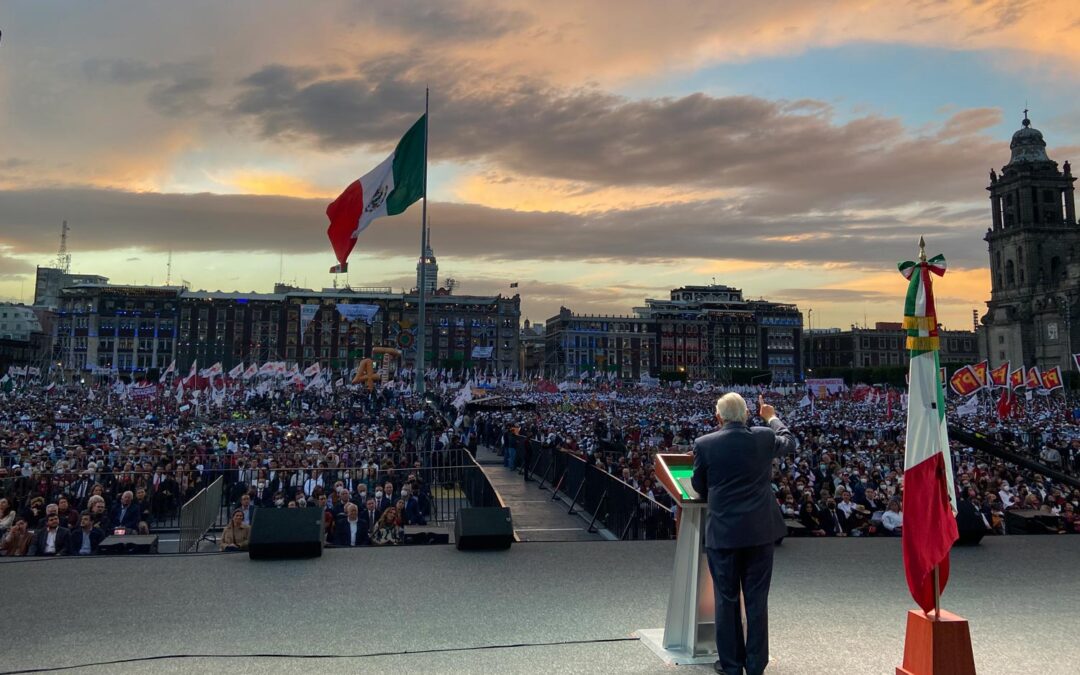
x: 929, y: 502
x: 386, y: 190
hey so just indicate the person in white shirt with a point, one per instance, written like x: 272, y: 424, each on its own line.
x: 350, y: 530
x: 892, y: 520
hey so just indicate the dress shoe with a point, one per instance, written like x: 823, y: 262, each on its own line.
x: 720, y: 669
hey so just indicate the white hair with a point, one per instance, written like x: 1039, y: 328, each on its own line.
x: 731, y: 407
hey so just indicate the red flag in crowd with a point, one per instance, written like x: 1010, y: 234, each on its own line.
x: 980, y: 372
x: 1004, y: 404
x: 965, y: 382
x: 999, y: 377
x: 1051, y: 379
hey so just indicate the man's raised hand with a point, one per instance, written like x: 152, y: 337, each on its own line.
x: 765, y: 411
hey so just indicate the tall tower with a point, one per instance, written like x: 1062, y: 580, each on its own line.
x: 431, y: 273
x: 63, y: 258
x: 1034, y: 245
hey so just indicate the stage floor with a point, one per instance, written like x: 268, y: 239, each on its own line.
x: 837, y: 606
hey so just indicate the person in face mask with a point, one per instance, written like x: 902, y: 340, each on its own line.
x: 383, y: 501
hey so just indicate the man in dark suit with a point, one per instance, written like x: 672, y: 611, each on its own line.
x: 52, y: 539
x: 370, y: 515
x: 351, y: 529
x: 86, y: 539
x: 734, y: 466
x: 126, y: 513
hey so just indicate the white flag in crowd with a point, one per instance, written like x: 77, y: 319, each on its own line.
x: 968, y: 407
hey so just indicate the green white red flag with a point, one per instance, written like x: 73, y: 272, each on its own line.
x: 929, y: 508
x: 386, y: 190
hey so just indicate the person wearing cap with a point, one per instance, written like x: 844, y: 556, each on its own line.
x: 733, y: 467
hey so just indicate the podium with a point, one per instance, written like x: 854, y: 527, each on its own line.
x: 689, y: 633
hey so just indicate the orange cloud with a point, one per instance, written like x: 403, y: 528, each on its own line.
x: 255, y: 182
x: 503, y: 190
x: 645, y: 38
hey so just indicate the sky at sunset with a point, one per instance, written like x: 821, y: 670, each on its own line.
x: 597, y: 153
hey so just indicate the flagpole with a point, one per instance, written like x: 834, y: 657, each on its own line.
x: 421, y: 329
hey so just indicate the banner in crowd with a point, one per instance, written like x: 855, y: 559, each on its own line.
x: 980, y: 372
x: 968, y: 407
x: 825, y: 385
x: 965, y: 381
x: 307, y: 314
x: 482, y: 352
x: 1051, y: 379
x: 999, y: 377
x: 312, y: 370
x: 144, y: 391
x: 1033, y: 381
x: 252, y: 371
x: 236, y: 371
x: 353, y: 312
x: 1016, y: 379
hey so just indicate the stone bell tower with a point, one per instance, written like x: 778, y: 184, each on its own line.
x: 1034, y: 258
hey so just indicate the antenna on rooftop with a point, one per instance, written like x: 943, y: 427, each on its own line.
x: 168, y: 270
x: 63, y: 258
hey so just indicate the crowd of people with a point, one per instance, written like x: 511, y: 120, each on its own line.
x: 78, y: 464
x: 846, y: 478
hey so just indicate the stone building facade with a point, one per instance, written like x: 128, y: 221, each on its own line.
x: 1034, y: 246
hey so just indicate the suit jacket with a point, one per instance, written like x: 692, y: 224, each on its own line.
x: 76, y: 539
x: 131, y: 516
x: 832, y: 522
x: 733, y: 466
x: 37, y: 546
x: 342, y: 532
x: 413, y: 515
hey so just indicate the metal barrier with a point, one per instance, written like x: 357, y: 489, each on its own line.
x: 602, y: 498
x: 199, y: 514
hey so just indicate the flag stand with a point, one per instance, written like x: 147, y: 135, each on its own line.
x: 939, y: 644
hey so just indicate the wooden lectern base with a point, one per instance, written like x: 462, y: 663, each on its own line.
x: 941, y: 647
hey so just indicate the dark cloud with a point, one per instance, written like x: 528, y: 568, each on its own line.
x: 717, y: 229
x: 788, y: 153
x: 175, y: 89
x: 541, y: 299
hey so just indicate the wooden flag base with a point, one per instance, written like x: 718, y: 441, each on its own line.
x: 941, y: 647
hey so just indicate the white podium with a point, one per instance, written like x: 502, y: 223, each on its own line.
x: 689, y: 633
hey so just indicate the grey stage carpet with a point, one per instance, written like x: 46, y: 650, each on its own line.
x: 837, y: 607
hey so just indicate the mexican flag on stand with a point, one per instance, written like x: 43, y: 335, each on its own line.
x: 929, y: 528
x: 386, y: 190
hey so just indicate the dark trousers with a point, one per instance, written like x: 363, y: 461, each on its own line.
x: 748, y: 570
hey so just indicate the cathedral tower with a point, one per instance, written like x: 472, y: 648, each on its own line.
x: 1034, y: 258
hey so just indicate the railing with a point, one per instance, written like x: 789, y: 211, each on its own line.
x: 199, y: 514
x: 600, y: 497
x: 477, y: 488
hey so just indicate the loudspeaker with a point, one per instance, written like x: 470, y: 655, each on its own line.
x: 483, y: 529
x: 1030, y: 521
x: 119, y: 544
x: 286, y: 533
